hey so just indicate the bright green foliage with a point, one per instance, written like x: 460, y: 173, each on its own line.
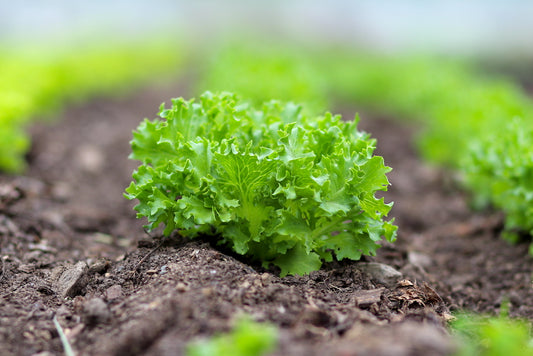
x: 13, y: 144
x: 455, y: 104
x: 34, y: 83
x: 272, y: 183
x: 248, y: 338
x: 492, y: 336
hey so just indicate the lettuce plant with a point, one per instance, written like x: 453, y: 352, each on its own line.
x: 271, y: 183
x: 500, y: 172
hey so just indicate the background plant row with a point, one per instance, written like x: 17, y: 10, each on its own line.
x: 37, y: 82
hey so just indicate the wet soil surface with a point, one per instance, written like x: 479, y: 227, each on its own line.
x: 72, y: 251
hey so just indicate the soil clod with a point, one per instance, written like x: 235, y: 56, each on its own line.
x: 72, y: 280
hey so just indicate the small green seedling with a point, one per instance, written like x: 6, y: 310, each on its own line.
x: 248, y: 338
x: 492, y: 336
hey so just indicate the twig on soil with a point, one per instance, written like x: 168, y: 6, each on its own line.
x: 148, y: 255
x: 3, y: 269
x: 63, y: 337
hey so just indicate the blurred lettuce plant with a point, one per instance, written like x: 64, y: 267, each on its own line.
x: 479, y: 335
x: 35, y: 83
x: 248, y: 338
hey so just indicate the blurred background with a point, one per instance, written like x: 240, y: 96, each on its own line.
x: 476, y: 27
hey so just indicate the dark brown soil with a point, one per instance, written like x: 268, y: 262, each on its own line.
x: 72, y: 249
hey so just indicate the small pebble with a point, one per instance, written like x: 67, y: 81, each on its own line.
x: 99, y: 266
x: 73, y: 280
x: 182, y: 287
x: 164, y: 269
x: 113, y: 292
x: 380, y: 272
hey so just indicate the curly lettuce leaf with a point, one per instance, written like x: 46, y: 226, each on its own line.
x: 271, y: 183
